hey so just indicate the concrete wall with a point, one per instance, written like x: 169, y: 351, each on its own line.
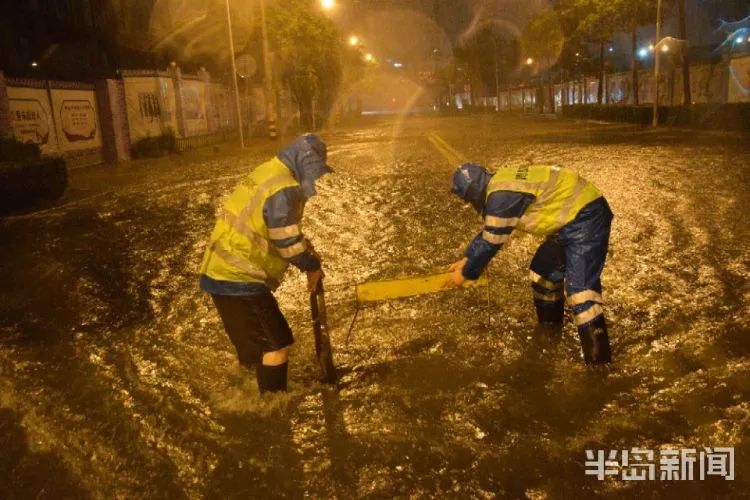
x: 61, y: 117
x: 723, y: 82
x: 114, y: 120
x: 93, y: 123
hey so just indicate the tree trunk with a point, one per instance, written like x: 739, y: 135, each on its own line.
x: 497, y: 82
x: 600, y: 90
x: 584, y: 91
x: 686, y: 95
x: 634, y: 50
x: 551, y: 95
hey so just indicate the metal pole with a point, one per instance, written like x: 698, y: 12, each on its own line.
x: 497, y: 77
x: 655, y: 118
x: 234, y: 77
x: 268, y: 76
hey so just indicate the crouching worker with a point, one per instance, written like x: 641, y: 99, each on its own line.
x: 256, y: 237
x: 575, y: 219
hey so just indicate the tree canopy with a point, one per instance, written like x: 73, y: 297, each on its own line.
x: 543, y: 38
x: 309, y: 51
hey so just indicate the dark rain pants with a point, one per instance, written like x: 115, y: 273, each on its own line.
x: 255, y: 325
x: 573, y: 260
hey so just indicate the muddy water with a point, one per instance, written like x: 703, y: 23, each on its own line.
x: 117, y: 380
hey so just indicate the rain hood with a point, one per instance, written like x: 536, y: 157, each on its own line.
x: 470, y: 183
x: 306, y: 158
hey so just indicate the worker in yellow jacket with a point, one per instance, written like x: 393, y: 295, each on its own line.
x: 256, y: 237
x: 573, y: 216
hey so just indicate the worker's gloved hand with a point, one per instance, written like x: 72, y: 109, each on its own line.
x: 313, y: 278
x: 456, y: 277
x: 311, y: 249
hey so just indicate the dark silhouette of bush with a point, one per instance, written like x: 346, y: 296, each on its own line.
x: 152, y: 147
x: 23, y: 183
x: 11, y: 149
x: 734, y: 116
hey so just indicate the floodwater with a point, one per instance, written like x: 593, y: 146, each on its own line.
x: 116, y: 379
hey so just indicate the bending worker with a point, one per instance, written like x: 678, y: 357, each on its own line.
x: 255, y: 239
x: 575, y: 219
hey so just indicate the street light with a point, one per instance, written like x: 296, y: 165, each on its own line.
x: 235, y: 87
x: 369, y: 57
x: 327, y: 4
x: 353, y: 40
x: 529, y: 61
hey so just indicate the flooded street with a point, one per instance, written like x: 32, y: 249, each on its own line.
x: 117, y: 379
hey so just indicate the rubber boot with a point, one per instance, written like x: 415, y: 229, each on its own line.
x: 595, y: 342
x: 271, y: 378
x: 550, y: 312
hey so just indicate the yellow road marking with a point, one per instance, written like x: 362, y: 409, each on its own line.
x: 446, y: 150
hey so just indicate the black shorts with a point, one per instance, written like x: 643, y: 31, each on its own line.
x: 254, y: 324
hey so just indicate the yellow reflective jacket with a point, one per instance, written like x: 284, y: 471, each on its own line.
x: 559, y: 194
x: 239, y: 248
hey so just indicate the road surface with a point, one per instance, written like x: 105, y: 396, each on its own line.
x: 116, y: 379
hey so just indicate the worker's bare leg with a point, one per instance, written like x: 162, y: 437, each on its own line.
x: 276, y: 358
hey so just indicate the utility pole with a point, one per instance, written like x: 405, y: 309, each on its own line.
x: 497, y: 75
x: 268, y: 76
x: 234, y: 77
x: 687, y: 98
x: 655, y: 117
x: 435, y: 40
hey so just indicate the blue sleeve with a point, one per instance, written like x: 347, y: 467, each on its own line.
x: 502, y: 213
x: 283, y: 214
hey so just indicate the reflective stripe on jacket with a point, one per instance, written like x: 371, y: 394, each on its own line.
x: 559, y: 194
x: 240, y: 248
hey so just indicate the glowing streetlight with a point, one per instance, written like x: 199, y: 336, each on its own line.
x: 34, y: 64
x: 665, y: 48
x: 369, y: 57
x: 651, y: 47
x: 643, y: 53
x: 354, y: 40
x: 327, y: 4
x: 740, y: 39
x: 529, y: 61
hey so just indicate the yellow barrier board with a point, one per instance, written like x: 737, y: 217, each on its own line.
x: 409, y: 287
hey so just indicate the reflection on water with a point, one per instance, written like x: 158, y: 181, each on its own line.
x: 117, y: 379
